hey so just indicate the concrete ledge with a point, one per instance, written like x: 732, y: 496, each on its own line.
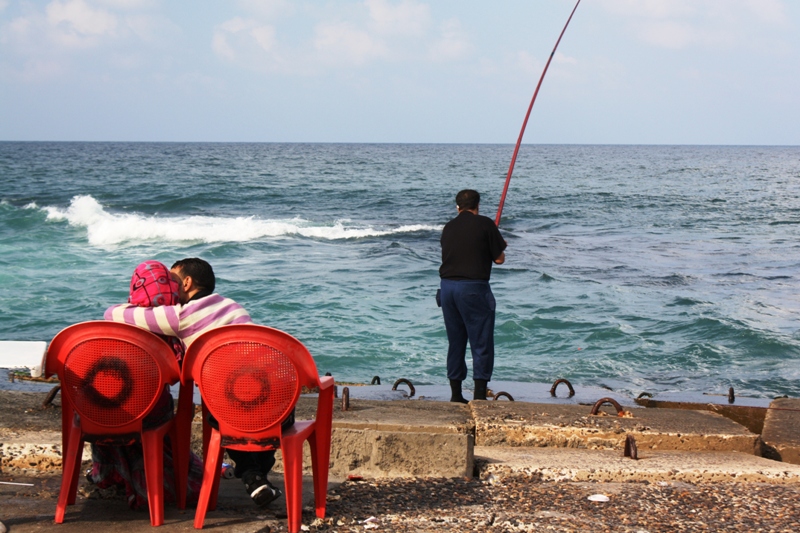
x: 371, y: 453
x: 554, y: 464
x: 781, y: 434
x: 571, y: 426
x: 397, y: 439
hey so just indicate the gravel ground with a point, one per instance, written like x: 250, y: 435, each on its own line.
x: 521, y: 505
x: 428, y: 505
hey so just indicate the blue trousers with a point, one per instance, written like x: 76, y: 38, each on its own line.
x: 469, y: 308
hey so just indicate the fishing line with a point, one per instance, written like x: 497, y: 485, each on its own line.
x: 525, y: 122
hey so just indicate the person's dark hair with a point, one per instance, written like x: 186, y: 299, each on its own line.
x: 468, y: 199
x: 200, y: 271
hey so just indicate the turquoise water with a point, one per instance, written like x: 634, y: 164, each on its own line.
x: 638, y: 268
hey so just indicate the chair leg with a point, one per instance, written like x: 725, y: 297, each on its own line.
x: 206, y: 431
x: 153, y: 450
x: 76, y: 474
x: 292, y: 450
x: 71, y: 463
x: 319, y: 469
x: 181, y: 438
x: 212, y: 504
x: 180, y: 465
x: 211, y: 470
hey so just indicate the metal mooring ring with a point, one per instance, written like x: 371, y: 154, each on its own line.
x: 644, y: 395
x: 410, y: 386
x: 557, y: 383
x: 48, y: 401
x: 346, y: 399
x: 507, y: 395
x: 731, y: 396
x: 611, y: 401
x: 376, y: 380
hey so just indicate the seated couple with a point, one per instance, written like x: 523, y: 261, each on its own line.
x: 179, y: 304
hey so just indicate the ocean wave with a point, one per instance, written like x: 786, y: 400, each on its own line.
x: 108, y: 229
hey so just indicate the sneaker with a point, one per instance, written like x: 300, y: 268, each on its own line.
x: 260, y: 489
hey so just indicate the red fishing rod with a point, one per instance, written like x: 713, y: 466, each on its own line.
x: 525, y: 122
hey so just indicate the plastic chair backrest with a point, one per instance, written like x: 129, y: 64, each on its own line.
x: 111, y: 373
x: 250, y: 376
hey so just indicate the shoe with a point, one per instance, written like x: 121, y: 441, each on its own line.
x: 455, y: 392
x: 260, y: 489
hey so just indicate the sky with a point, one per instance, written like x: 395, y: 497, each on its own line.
x: 405, y: 71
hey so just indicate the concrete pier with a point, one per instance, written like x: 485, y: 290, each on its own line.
x: 488, y: 443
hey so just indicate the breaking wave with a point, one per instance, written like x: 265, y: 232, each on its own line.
x: 105, y: 228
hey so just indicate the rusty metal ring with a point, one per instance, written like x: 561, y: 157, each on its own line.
x: 410, y: 386
x: 557, y: 383
x: 503, y: 393
x: 48, y: 401
x: 376, y: 380
x: 611, y: 401
x: 345, y: 398
x: 731, y: 396
x: 644, y: 395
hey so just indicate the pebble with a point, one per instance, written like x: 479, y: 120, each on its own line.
x: 3, y: 528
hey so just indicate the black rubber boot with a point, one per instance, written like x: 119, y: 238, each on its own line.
x: 480, y: 388
x: 455, y: 392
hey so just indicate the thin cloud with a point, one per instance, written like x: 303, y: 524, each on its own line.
x: 243, y: 39
x: 75, y: 23
x: 341, y: 43
x: 267, y: 9
x: 679, y: 24
x: 453, y: 43
x: 355, y: 36
x: 406, y: 18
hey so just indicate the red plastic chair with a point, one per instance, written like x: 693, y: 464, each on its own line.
x: 112, y: 375
x: 250, y: 378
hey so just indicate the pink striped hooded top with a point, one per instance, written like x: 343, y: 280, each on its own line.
x: 187, y: 321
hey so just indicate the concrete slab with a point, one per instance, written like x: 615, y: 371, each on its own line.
x: 559, y: 464
x: 781, y: 433
x: 403, y: 415
x: 750, y: 416
x: 402, y: 438
x: 569, y: 426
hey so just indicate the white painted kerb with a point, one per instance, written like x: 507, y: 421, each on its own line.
x: 23, y: 354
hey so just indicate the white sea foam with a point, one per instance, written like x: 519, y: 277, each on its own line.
x: 106, y: 228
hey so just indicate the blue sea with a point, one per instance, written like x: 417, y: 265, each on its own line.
x: 635, y: 268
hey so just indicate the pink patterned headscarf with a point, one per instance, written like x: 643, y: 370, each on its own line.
x: 152, y: 286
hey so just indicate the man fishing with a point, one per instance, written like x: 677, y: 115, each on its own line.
x: 470, y: 244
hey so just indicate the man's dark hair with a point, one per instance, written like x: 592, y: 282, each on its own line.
x: 200, y: 271
x: 468, y: 199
